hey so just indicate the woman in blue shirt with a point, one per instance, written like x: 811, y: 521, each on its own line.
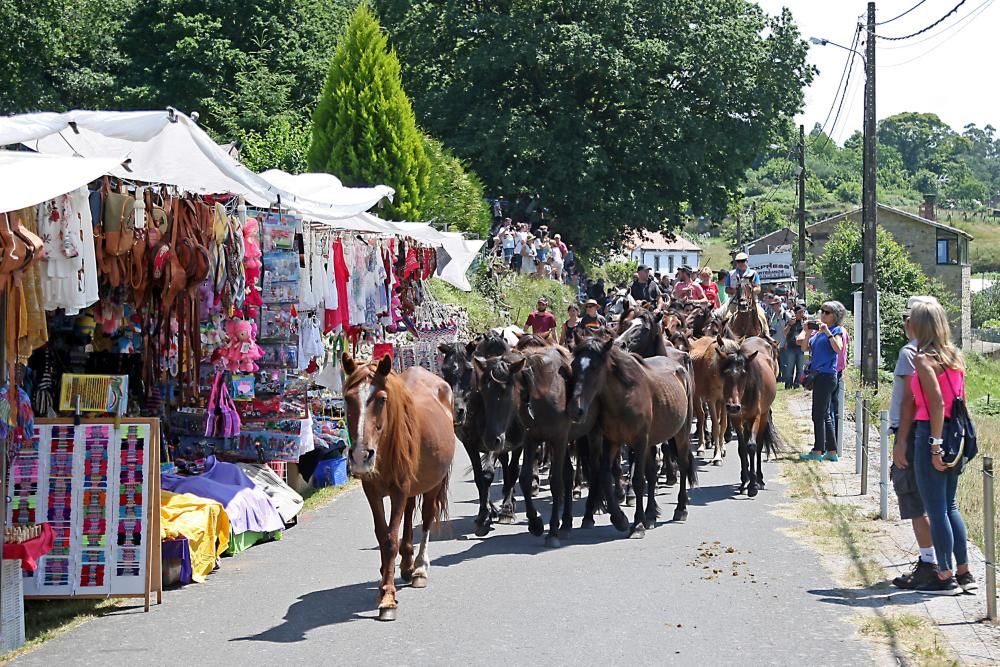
x: 826, y: 342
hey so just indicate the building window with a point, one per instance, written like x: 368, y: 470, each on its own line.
x: 684, y: 260
x: 656, y: 262
x: 670, y: 261
x: 952, y: 249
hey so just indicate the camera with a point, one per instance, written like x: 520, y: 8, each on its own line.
x: 813, y: 324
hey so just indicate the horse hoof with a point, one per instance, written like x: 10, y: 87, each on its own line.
x: 752, y: 491
x: 552, y: 542
x: 482, y: 529
x: 419, y: 582
x: 406, y: 576
x: 536, y: 526
x: 638, y: 532
x: 680, y: 516
x: 564, y: 533
x: 506, y: 519
x: 621, y: 523
x: 588, y: 522
x: 760, y: 483
x: 717, y: 462
x: 387, y: 614
x: 649, y: 524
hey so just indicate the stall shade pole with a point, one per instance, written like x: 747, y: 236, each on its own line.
x: 883, y: 463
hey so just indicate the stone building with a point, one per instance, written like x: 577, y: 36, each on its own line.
x: 941, y: 250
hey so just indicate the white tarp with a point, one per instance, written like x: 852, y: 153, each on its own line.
x: 324, y: 189
x: 30, y: 178
x: 166, y: 147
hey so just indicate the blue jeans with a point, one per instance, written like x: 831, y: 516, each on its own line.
x: 792, y: 360
x: 937, y: 490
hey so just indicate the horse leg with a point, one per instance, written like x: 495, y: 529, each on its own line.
x: 719, y: 428
x: 699, y: 415
x: 577, y: 470
x: 387, y: 602
x: 652, y: 510
x: 685, y: 472
x: 557, y: 469
x: 669, y: 449
x: 535, y: 524
x: 619, y: 478
x: 741, y: 438
x: 631, y: 467
x: 618, y: 518
x: 381, y: 529
x: 753, y: 453
x: 484, y: 479
x: 641, y: 455
x: 406, y: 544
x: 595, y: 495
x: 428, y: 512
x: 567, y: 517
x: 511, y: 470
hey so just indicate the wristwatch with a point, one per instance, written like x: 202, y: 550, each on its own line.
x: 935, y: 441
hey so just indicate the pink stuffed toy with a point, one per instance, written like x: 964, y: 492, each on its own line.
x: 242, y: 350
x: 252, y: 255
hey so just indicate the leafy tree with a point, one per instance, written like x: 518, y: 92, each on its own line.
x: 897, y: 273
x: 617, y: 113
x: 364, y: 130
x: 454, y: 193
x: 915, y: 135
x: 925, y: 182
x: 281, y: 146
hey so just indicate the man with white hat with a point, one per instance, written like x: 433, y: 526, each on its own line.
x: 736, y: 276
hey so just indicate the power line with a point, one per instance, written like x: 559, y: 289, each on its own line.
x: 960, y: 25
x: 923, y: 30
x: 845, y: 73
x: 932, y: 37
x: 899, y: 16
x: 847, y: 84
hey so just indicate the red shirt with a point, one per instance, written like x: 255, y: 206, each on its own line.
x: 541, y: 323
x: 688, y: 291
x: 712, y: 292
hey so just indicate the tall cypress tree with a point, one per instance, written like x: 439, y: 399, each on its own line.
x: 364, y: 130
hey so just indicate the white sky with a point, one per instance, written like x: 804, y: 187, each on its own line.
x: 950, y: 70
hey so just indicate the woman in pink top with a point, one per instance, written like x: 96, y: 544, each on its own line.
x: 940, y: 377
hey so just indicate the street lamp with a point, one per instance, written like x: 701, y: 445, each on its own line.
x: 869, y: 297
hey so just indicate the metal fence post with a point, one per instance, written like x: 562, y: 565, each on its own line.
x: 858, y: 410
x: 865, y: 425
x: 883, y: 462
x: 989, y: 539
x: 841, y: 417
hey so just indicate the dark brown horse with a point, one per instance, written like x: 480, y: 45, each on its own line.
x: 469, y: 412
x: 402, y: 446
x: 750, y: 387
x: 528, y: 387
x: 641, y: 402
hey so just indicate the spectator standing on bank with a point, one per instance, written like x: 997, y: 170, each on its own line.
x: 520, y: 239
x: 570, y: 325
x: 904, y: 481
x: 824, y: 344
x: 507, y: 242
x: 555, y: 261
x: 835, y: 405
x: 940, y: 377
x: 720, y: 286
x: 709, y: 287
x: 792, y: 355
x: 776, y: 320
x: 644, y: 289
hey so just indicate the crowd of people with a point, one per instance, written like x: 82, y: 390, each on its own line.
x: 532, y: 250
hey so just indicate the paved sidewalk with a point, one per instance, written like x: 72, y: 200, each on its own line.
x: 728, y: 587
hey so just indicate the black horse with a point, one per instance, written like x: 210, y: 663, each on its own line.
x: 469, y: 413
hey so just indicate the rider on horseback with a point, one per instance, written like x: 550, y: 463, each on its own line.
x: 736, y: 278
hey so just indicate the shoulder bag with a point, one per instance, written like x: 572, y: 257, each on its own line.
x: 959, y: 433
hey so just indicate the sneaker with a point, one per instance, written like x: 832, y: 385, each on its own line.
x: 967, y: 582
x: 810, y: 456
x: 831, y: 456
x: 923, y: 573
x: 939, y: 586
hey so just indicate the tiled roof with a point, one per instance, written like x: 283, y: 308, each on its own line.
x: 646, y: 240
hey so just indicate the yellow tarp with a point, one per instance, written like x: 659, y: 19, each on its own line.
x: 202, y: 521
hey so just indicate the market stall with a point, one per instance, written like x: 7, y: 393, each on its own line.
x: 171, y: 305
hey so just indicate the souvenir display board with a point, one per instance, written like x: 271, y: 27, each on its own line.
x: 97, y: 485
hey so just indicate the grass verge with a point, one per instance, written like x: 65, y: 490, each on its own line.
x: 846, y: 532
x: 314, y: 499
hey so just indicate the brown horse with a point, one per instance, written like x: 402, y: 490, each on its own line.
x: 750, y: 387
x: 642, y: 402
x: 706, y: 356
x: 402, y: 445
x: 749, y: 319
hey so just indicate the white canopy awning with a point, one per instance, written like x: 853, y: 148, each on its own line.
x: 168, y: 147
x: 30, y: 178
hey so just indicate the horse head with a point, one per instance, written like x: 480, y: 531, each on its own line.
x: 456, y: 369
x: 367, y: 396
x: 744, y: 295
x: 734, y: 367
x: 640, y: 334
x: 590, y: 367
x: 497, y: 381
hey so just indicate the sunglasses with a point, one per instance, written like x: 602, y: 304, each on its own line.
x: 825, y: 310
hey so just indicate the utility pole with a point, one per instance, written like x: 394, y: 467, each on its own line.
x: 753, y: 219
x: 869, y: 214
x: 802, y: 213
x: 739, y: 233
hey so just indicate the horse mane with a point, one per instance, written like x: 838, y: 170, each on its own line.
x: 493, y: 344
x: 400, y: 441
x: 534, y: 341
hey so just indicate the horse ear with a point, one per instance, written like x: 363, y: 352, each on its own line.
x: 444, y: 348
x: 470, y: 347
x: 753, y: 356
x: 517, y: 366
x: 385, y: 366
x: 610, y: 343
x: 659, y: 316
x: 718, y: 340
x: 348, y: 363
x: 719, y: 351
x: 479, y: 363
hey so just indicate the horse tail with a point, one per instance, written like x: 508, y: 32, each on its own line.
x: 768, y: 438
x: 440, y: 499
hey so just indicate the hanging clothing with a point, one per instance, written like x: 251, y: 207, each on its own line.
x: 36, y: 332
x: 65, y: 225
x: 337, y: 314
x: 310, y: 342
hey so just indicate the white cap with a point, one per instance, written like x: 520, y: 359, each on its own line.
x: 741, y: 257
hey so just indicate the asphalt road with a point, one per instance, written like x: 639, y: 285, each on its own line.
x: 728, y: 587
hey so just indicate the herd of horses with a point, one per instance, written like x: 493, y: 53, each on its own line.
x: 636, y: 386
